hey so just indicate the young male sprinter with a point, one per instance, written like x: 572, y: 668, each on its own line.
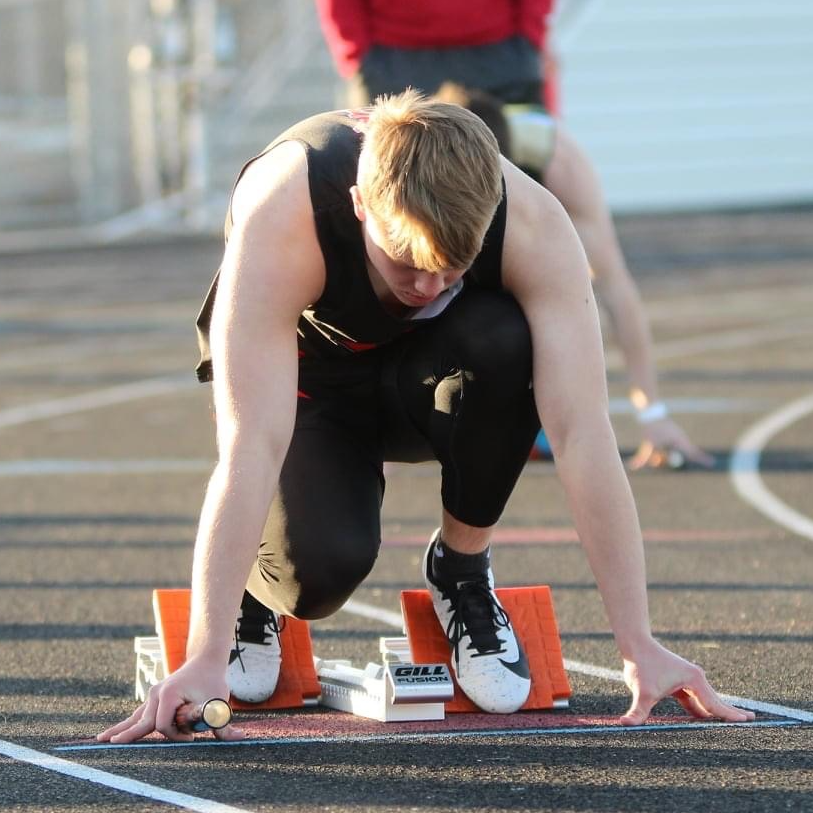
x: 390, y: 289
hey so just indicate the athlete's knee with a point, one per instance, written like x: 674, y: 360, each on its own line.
x: 498, y: 351
x: 326, y: 585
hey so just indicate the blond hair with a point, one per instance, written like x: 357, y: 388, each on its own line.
x: 430, y: 175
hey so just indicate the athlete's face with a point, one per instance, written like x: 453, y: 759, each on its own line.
x: 411, y: 286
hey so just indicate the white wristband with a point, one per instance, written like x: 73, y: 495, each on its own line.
x: 656, y: 411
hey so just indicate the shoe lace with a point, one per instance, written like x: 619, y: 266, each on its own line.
x: 477, y: 614
x: 257, y: 628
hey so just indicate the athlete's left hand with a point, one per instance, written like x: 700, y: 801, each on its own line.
x: 657, y: 673
x: 666, y: 445
x: 198, y: 680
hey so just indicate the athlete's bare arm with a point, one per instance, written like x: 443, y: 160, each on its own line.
x: 545, y: 268
x: 572, y: 179
x: 271, y: 271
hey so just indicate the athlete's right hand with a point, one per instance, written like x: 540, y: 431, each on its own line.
x: 658, y: 673
x: 664, y: 442
x: 194, y: 682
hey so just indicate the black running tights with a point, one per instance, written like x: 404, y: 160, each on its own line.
x: 456, y: 390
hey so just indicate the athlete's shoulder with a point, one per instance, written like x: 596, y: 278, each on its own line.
x: 530, y: 205
x: 329, y: 130
x: 278, y: 178
x: 272, y: 244
x: 539, y: 236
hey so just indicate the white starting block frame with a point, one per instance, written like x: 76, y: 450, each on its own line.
x: 150, y: 668
x: 397, y: 690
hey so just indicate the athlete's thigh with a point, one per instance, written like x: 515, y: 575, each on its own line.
x: 482, y: 343
x: 330, y: 491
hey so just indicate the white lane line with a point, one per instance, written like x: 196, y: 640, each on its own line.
x: 744, y: 467
x: 375, y: 613
x: 417, y: 736
x: 768, y: 708
x: 726, y: 340
x: 696, y: 406
x: 395, y: 620
x: 47, y: 467
x: 111, y: 780
x: 39, y: 467
x: 147, y: 388
x: 157, y: 214
x: 28, y: 413
x: 757, y: 306
x: 79, y: 350
x: 51, y: 354
x: 594, y: 671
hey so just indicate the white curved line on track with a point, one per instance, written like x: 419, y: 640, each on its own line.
x: 111, y: 780
x: 744, y: 467
x: 44, y: 410
x: 48, y: 467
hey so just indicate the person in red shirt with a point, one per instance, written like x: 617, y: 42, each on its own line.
x: 494, y: 46
x: 378, y: 45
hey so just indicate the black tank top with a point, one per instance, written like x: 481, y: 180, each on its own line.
x: 348, y: 317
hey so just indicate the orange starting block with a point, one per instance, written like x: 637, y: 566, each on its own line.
x: 534, y: 622
x: 373, y: 691
x: 297, y: 686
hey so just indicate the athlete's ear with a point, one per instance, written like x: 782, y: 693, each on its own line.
x: 358, y: 203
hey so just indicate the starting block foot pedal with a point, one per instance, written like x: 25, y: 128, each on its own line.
x: 161, y: 655
x: 534, y: 622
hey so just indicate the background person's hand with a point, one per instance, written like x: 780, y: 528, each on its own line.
x: 192, y: 683
x: 666, y: 445
x: 659, y: 673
